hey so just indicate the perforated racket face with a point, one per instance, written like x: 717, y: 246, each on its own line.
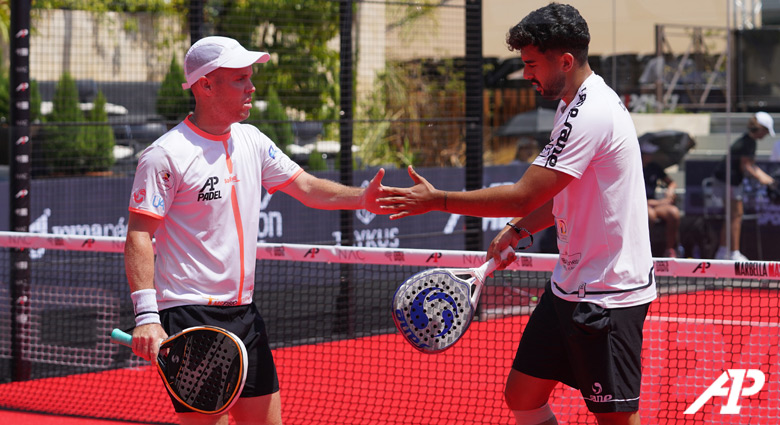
x: 432, y: 310
x: 204, y: 368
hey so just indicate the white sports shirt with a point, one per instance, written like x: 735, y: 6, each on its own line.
x: 601, y: 216
x: 207, y: 191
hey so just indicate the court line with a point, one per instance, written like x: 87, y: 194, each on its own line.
x: 704, y: 321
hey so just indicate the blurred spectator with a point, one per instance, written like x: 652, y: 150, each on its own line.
x: 525, y: 151
x: 663, y: 209
x: 775, y: 152
x: 743, y: 164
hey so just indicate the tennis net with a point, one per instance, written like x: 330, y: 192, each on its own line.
x: 711, y: 338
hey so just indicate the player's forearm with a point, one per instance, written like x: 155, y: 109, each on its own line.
x: 139, y: 261
x: 538, y: 220
x: 497, y: 201
x: 325, y: 194
x: 329, y: 195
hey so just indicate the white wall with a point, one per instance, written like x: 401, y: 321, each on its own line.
x: 113, y: 47
x: 629, y: 27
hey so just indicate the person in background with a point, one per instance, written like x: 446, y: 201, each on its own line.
x: 663, y: 209
x: 775, y: 155
x: 743, y: 165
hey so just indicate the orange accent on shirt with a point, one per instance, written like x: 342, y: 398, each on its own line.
x: 240, y: 230
x: 286, y: 183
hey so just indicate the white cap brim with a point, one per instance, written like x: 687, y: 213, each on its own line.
x: 238, y: 57
x: 766, y: 121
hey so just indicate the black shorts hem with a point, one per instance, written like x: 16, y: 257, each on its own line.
x: 246, y: 323
x: 586, y: 347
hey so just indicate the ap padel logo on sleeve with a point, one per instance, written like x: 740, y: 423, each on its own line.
x: 732, y: 392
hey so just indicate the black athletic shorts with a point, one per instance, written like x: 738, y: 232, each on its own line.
x: 245, y: 322
x: 595, y: 350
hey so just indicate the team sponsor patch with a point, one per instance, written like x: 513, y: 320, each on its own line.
x: 571, y: 261
x: 165, y: 180
x: 139, y: 196
x: 158, y: 201
x: 562, y: 229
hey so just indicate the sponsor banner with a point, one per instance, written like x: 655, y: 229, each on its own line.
x: 97, y: 207
x: 719, y: 269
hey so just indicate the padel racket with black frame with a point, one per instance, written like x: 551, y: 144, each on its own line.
x: 204, y: 367
x: 434, y: 308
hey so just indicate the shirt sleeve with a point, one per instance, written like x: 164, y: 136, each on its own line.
x: 576, y: 139
x: 278, y: 169
x: 154, y: 185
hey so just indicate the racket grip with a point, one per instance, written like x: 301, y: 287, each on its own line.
x: 119, y: 337
x: 491, y: 266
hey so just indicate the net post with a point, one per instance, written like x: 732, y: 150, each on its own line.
x: 474, y: 115
x: 21, y: 153
x: 343, y: 322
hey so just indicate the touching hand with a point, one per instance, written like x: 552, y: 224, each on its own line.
x: 418, y: 199
x: 372, y: 192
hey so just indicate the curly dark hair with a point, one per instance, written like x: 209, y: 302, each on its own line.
x: 553, y: 27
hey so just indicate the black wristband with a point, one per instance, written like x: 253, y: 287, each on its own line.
x: 519, y: 231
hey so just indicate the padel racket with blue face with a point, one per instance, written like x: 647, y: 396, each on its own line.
x: 434, y: 308
x: 204, y: 367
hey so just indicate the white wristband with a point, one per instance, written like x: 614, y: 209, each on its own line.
x: 145, y: 307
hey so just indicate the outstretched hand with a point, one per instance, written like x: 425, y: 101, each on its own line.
x: 418, y: 199
x: 373, y: 191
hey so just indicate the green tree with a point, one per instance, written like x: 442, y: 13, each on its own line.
x: 303, y: 69
x: 274, y: 122
x: 112, y: 6
x: 59, y: 145
x: 96, y: 142
x: 35, y: 103
x: 173, y: 103
x: 317, y: 162
x: 5, y: 97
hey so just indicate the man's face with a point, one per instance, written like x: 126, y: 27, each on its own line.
x: 544, y: 71
x: 233, y: 91
x: 759, y: 132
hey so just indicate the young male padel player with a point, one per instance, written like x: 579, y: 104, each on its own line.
x: 197, y: 190
x: 587, y: 328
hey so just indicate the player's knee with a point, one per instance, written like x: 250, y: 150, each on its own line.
x: 652, y: 216
x: 523, y: 392
x: 674, y: 214
x: 517, y: 399
x: 540, y: 416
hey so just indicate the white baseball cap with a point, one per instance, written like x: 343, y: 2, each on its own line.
x: 210, y: 53
x: 766, y: 120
